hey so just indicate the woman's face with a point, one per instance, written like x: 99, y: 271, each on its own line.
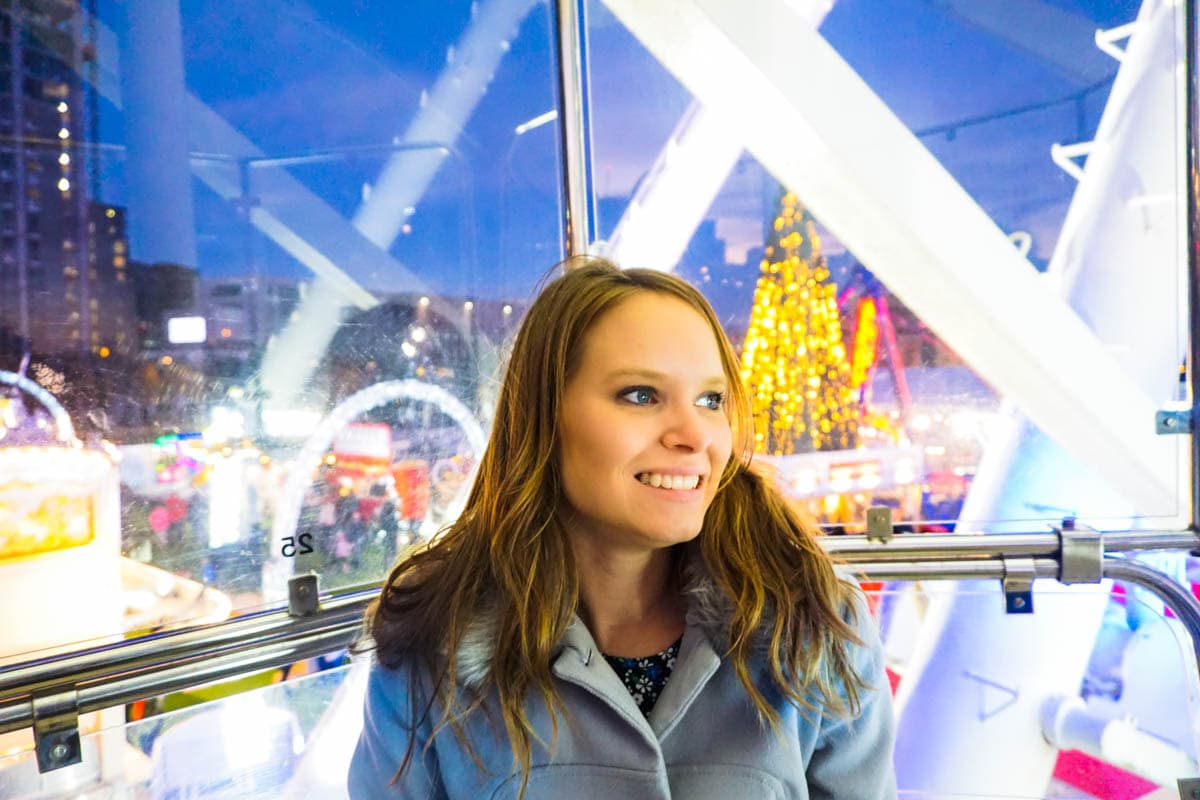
x: 644, y: 432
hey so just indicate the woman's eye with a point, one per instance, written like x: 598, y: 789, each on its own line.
x: 638, y: 395
x: 714, y: 401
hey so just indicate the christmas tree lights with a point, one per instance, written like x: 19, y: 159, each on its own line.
x: 793, y: 361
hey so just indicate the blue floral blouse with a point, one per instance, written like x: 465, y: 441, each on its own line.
x: 645, y: 677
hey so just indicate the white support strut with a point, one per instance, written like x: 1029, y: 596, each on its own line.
x: 882, y: 194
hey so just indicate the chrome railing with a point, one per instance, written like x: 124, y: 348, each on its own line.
x: 122, y: 672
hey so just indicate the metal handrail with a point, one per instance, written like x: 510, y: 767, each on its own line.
x: 136, y: 655
x: 946, y: 569
x: 122, y: 672
x: 934, y: 546
x: 1181, y: 602
x: 927, y: 546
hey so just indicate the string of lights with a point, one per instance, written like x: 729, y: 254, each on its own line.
x: 793, y: 360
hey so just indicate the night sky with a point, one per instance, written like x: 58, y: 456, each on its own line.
x: 336, y: 75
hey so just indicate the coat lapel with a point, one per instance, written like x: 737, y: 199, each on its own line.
x: 695, y: 665
x: 580, y: 662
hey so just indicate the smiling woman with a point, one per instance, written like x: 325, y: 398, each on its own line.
x: 616, y: 514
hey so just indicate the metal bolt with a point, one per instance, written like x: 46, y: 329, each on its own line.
x: 1196, y: 793
x: 1018, y: 602
x: 59, y: 752
x: 1169, y: 422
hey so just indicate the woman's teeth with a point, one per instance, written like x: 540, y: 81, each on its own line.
x: 660, y: 481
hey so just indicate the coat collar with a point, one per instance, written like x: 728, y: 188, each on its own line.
x: 709, y: 611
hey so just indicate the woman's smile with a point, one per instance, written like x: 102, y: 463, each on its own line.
x: 666, y: 480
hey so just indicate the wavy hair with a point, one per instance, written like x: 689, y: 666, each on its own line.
x: 508, y: 554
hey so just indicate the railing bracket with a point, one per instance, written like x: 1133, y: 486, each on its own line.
x: 1172, y: 421
x: 304, y: 595
x: 1019, y: 574
x: 56, y: 730
x: 879, y: 524
x: 1081, y: 553
x: 1189, y: 789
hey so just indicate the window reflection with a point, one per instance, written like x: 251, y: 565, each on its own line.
x: 972, y: 202
x: 220, y: 225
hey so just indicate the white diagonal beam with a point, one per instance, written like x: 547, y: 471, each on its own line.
x: 285, y: 207
x: 470, y: 67
x: 673, y: 197
x: 669, y: 203
x: 406, y: 176
x: 835, y: 143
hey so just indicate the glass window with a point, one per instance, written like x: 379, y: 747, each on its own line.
x: 291, y: 368
x: 919, y: 223
x: 1016, y: 739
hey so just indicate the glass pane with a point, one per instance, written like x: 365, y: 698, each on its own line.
x: 919, y: 222
x: 1094, y: 695
x: 1103, y: 673
x: 258, y: 262
x: 291, y: 739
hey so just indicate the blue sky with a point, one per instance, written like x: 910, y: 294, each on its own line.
x: 329, y: 75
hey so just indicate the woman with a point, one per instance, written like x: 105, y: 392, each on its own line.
x: 624, y: 609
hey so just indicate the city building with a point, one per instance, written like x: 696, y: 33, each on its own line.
x: 114, y: 324
x: 241, y: 314
x: 162, y: 292
x: 63, y: 285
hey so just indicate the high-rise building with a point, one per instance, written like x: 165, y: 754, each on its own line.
x: 162, y: 291
x: 242, y: 314
x: 114, y: 321
x: 61, y: 257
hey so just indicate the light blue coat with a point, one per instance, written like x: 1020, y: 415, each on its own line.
x: 702, y: 740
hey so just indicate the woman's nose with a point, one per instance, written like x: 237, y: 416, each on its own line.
x: 686, y: 429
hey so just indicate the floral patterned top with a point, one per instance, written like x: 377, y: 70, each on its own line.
x: 645, y: 677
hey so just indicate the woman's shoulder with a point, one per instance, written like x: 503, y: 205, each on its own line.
x: 854, y: 608
x: 854, y: 605
x: 400, y: 686
x: 411, y: 652
x: 397, y: 672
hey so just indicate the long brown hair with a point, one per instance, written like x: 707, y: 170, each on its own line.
x: 508, y: 553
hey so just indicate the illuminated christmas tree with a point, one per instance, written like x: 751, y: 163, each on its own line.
x: 793, y: 361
